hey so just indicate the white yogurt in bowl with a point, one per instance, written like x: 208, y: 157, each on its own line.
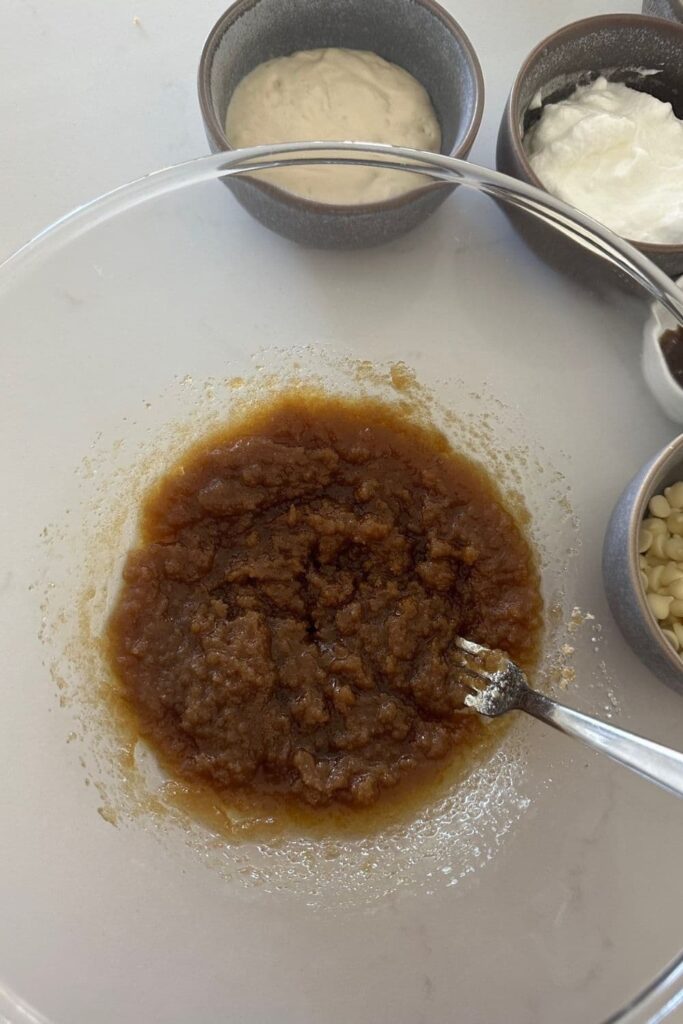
x: 616, y: 154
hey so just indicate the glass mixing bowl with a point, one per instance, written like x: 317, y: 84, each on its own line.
x: 544, y: 888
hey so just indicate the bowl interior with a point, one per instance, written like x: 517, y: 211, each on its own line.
x: 414, y: 35
x: 668, y: 474
x: 621, y: 48
x: 119, y: 345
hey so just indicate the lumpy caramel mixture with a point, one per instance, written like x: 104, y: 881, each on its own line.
x: 284, y: 628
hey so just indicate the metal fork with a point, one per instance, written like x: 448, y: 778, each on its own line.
x: 506, y: 689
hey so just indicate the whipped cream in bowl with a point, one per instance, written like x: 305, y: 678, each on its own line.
x: 616, y: 153
x: 639, y: 59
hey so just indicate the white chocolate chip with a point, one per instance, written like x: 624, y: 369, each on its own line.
x: 644, y: 541
x: 674, y: 548
x: 674, y: 495
x: 672, y: 638
x: 671, y: 573
x: 660, y: 605
x: 674, y: 523
x: 659, y: 506
x: 655, y: 526
x: 657, y: 548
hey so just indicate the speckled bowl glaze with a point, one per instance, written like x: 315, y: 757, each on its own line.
x: 664, y: 9
x: 620, y: 565
x: 619, y: 46
x: 416, y: 34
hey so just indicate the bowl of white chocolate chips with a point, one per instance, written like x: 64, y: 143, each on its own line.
x: 643, y: 563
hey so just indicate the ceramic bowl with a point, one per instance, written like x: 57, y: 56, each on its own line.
x: 619, y: 46
x: 416, y: 34
x: 620, y: 567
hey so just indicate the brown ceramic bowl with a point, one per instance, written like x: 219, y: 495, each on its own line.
x: 617, y: 46
x: 416, y: 34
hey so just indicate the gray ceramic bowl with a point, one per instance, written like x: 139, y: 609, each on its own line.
x: 620, y: 565
x: 616, y: 45
x: 664, y: 8
x: 416, y: 34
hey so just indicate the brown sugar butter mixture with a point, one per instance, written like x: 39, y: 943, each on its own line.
x: 284, y: 627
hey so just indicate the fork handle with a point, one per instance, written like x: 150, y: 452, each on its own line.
x: 652, y: 760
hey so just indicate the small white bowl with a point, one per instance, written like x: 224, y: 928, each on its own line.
x: 667, y: 393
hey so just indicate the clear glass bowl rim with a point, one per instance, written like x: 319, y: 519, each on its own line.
x: 665, y: 992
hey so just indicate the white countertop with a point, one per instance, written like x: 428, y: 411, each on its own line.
x: 99, y: 92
